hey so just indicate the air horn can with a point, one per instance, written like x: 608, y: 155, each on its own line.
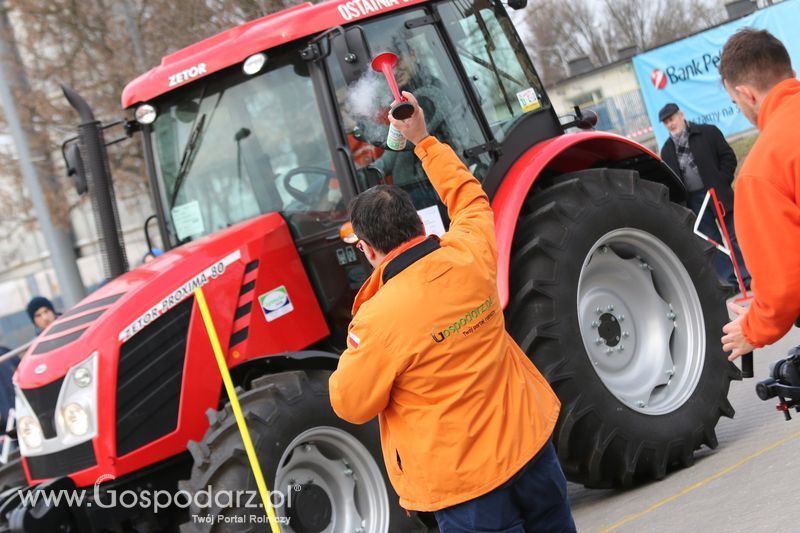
x: 403, y: 109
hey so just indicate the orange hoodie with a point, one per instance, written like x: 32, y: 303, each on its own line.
x: 767, y: 216
x: 461, y: 408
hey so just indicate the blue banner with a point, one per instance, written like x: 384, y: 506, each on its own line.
x: 687, y: 71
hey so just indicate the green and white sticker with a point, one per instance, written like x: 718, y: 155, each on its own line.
x: 275, y: 303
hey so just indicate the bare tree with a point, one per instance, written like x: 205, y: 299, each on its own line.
x: 566, y: 29
x: 561, y: 30
x: 649, y: 24
x: 97, y: 47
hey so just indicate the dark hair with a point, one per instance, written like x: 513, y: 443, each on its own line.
x: 36, y: 303
x: 755, y: 57
x: 385, y: 218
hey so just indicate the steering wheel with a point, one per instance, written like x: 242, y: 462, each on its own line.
x: 306, y: 197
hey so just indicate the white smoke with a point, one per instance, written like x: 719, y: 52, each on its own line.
x: 366, y: 96
x: 367, y: 99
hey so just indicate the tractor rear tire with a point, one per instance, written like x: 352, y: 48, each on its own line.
x: 325, y: 474
x: 638, y: 396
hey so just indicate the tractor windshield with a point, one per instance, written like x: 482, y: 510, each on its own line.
x: 232, y: 147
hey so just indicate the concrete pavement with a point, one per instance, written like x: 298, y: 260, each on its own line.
x: 747, y: 484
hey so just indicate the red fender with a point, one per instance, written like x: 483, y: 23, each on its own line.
x: 567, y: 153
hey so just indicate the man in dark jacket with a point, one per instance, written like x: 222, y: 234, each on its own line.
x: 701, y: 156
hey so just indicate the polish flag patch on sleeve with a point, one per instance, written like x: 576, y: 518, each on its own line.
x: 354, y: 340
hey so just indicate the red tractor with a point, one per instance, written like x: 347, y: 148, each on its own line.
x: 255, y: 141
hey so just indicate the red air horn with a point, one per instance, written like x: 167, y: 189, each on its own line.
x: 385, y: 62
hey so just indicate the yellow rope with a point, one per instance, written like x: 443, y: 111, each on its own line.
x: 237, y: 410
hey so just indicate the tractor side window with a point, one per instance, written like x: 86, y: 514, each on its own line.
x: 424, y: 69
x: 495, y: 61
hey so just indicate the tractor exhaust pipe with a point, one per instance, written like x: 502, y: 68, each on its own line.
x: 93, y: 154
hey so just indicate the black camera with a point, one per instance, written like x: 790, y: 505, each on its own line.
x: 784, y: 382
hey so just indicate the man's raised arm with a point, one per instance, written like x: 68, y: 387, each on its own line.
x: 471, y: 215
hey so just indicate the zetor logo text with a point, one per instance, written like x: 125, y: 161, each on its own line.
x: 188, y: 74
x: 678, y: 73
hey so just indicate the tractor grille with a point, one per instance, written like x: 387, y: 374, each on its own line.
x: 149, y: 379
x: 61, y: 463
x: 43, y: 402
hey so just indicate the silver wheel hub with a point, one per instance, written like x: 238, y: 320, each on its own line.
x: 641, y: 321
x: 331, y: 483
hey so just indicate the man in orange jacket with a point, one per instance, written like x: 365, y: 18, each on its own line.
x: 465, y: 417
x: 757, y: 73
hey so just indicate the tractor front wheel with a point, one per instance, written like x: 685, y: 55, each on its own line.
x: 324, y: 474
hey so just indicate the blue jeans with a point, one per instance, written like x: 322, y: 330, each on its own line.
x: 722, y: 263
x: 535, y: 499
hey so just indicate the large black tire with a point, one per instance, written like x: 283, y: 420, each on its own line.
x: 601, y: 441
x: 279, y: 408
x: 12, y: 474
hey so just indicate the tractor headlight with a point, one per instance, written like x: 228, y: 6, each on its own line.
x: 82, y: 377
x: 30, y: 432
x: 145, y: 114
x: 76, y: 411
x: 76, y: 419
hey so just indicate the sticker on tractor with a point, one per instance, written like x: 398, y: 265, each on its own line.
x: 178, y: 295
x: 187, y: 219
x: 528, y: 100
x: 275, y: 303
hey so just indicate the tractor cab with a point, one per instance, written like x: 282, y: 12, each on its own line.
x: 300, y: 128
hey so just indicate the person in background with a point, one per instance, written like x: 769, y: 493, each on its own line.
x: 701, y: 156
x: 41, y: 312
x: 7, y: 369
x: 151, y: 254
x: 757, y: 73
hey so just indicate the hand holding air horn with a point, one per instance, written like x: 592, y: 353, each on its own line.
x: 403, y: 109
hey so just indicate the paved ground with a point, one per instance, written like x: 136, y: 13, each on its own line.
x: 747, y: 484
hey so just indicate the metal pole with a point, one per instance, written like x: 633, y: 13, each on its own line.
x: 58, y: 240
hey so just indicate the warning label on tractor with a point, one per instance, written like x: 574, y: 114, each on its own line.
x: 275, y: 303
x: 528, y: 100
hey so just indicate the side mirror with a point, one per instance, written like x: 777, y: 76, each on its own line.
x: 75, y: 168
x: 517, y: 4
x: 584, y: 120
x: 351, y: 50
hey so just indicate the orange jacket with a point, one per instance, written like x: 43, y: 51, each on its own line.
x: 767, y: 217
x: 461, y: 408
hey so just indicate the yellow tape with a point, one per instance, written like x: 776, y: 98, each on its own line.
x: 237, y: 410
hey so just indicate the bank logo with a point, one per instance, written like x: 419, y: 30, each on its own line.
x: 658, y: 78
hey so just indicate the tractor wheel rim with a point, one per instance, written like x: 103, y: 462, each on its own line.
x: 334, y: 462
x: 641, y: 321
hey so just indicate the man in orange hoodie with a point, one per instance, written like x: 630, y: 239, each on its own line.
x: 757, y: 73
x: 465, y: 417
